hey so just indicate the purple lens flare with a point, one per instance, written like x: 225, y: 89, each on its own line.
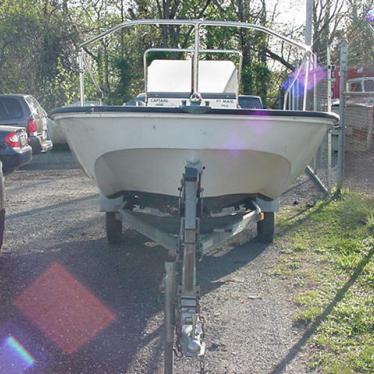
x: 370, y: 15
x: 315, y: 76
x: 14, y: 358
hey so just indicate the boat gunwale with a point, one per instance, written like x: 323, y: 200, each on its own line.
x: 195, y: 111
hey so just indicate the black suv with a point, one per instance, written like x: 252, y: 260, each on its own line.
x: 25, y: 111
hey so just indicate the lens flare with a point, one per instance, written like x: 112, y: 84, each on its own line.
x: 63, y: 309
x: 370, y: 15
x: 17, y: 348
x: 299, y: 79
x: 14, y: 358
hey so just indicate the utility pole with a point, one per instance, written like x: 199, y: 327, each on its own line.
x: 308, y: 42
x: 309, y: 23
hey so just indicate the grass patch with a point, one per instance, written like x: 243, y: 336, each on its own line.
x: 330, y: 247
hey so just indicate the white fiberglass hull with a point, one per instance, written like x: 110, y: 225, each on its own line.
x: 147, y: 151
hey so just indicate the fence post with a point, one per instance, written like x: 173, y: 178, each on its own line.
x: 329, y: 72
x: 342, y: 103
x: 81, y: 76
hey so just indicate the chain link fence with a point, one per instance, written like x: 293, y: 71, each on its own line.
x: 356, y: 108
x: 309, y: 88
x: 325, y: 163
x: 359, y: 142
x: 339, y: 164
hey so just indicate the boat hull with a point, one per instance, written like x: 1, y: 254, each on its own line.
x: 244, y: 153
x: 227, y: 172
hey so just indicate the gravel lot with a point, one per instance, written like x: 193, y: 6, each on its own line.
x: 52, y: 218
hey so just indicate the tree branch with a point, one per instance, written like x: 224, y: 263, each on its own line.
x: 278, y: 58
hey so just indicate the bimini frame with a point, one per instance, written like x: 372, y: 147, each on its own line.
x: 197, y: 25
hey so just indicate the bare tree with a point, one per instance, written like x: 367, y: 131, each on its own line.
x: 328, y: 16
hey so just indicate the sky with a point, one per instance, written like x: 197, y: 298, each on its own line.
x: 290, y: 11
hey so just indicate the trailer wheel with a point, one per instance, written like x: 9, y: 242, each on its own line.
x: 266, y: 228
x: 113, y: 227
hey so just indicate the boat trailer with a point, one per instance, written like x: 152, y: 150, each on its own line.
x: 184, y: 324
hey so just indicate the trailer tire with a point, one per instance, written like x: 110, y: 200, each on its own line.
x: 113, y: 227
x: 266, y: 228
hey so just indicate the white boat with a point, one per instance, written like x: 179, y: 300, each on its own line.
x: 191, y: 113
x: 143, y: 150
x: 147, y: 160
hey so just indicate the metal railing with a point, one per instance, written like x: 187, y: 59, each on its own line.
x: 197, y: 25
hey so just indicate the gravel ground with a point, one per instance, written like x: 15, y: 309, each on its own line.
x: 53, y: 226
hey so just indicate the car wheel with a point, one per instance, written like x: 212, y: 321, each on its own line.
x: 113, y: 227
x: 266, y: 228
x: 2, y: 205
